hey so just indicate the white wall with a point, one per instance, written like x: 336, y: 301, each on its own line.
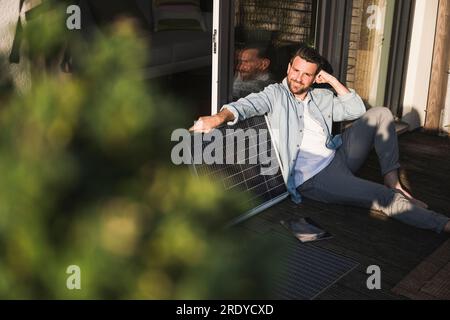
x: 446, y: 120
x: 419, y: 63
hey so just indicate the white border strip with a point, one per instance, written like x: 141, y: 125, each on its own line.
x: 215, y: 49
x: 274, y: 142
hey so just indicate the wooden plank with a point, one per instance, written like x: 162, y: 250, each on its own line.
x: 429, y: 280
x: 439, y: 76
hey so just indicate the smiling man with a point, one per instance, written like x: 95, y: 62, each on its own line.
x: 316, y: 164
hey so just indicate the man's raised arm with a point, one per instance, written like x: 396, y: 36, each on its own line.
x: 347, y: 105
x: 324, y: 77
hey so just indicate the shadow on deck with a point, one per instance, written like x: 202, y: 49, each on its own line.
x: 369, y: 237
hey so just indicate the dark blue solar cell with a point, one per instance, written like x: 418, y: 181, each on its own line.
x: 245, y: 177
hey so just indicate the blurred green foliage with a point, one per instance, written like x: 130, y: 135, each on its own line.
x: 86, y: 180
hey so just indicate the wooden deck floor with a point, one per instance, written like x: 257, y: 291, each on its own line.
x: 372, y: 239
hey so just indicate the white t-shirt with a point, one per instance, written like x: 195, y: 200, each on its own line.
x: 314, y: 156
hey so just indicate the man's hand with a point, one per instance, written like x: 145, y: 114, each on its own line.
x: 325, y: 77
x: 207, y: 124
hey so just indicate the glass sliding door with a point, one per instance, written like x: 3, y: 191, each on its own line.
x: 178, y: 35
x: 265, y: 34
x: 261, y: 37
x: 180, y: 52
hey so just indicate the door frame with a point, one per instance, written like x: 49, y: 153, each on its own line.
x: 222, y: 59
x: 398, y: 57
x: 333, y: 26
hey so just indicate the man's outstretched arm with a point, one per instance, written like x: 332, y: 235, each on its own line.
x: 256, y: 104
x: 207, y: 124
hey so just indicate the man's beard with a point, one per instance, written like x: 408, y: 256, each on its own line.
x: 298, y: 91
x: 247, y: 76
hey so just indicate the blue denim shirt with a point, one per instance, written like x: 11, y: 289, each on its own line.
x: 285, y: 114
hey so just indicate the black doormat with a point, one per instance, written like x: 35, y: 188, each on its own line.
x: 307, y: 270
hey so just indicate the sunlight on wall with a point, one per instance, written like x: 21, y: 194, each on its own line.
x: 419, y: 65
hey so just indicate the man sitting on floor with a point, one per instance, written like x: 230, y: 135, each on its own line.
x: 317, y: 165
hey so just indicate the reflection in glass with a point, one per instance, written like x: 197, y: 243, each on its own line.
x: 252, y: 72
x: 266, y: 34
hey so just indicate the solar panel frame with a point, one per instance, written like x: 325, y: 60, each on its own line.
x: 270, y: 189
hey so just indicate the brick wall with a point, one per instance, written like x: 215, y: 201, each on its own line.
x: 288, y: 21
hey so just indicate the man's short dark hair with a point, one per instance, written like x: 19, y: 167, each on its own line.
x: 264, y: 51
x: 309, y: 54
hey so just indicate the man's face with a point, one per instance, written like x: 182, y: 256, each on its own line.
x: 249, y: 65
x: 301, y: 75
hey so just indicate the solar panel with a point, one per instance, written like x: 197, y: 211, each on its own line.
x: 249, y: 165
